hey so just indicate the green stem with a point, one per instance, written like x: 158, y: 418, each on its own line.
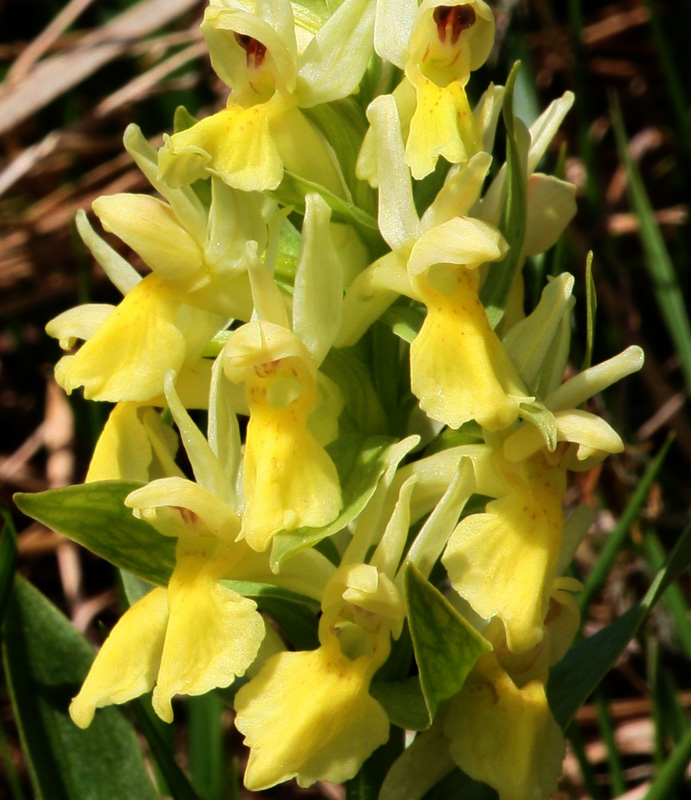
x: 673, y: 772
x: 367, y: 783
x: 587, y: 772
x: 616, y: 772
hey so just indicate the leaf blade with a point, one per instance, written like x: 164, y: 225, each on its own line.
x: 94, y: 515
x: 446, y: 646
x: 45, y: 660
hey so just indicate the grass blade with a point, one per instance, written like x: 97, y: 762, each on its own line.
x: 657, y: 260
x: 178, y: 783
x: 207, y: 762
x: 599, y: 572
x: 673, y: 772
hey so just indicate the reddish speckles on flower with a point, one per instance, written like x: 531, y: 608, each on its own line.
x: 268, y: 368
x: 256, y: 51
x: 452, y: 21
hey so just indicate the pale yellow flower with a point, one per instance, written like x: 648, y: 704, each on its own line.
x: 504, y: 734
x: 289, y: 481
x: 459, y: 369
x: 309, y: 715
x: 130, y: 347
x: 500, y: 727
x: 437, y: 45
x: 275, y: 68
x: 135, y: 445
x: 504, y: 561
x: 192, y: 637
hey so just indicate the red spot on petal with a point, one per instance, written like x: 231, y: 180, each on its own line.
x: 452, y: 21
x: 255, y: 50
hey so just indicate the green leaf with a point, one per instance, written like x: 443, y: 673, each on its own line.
x: 574, y: 678
x: 206, y: 756
x: 404, y: 321
x: 177, y: 783
x: 675, y: 599
x: 133, y: 588
x: 458, y: 784
x: 351, y: 376
x: 287, y: 252
x: 591, y: 308
x: 360, y: 463
x: 46, y: 660
x: 678, y: 560
x: 261, y: 591
x: 673, y: 772
x: 404, y: 703
x: 298, y: 622
x: 469, y: 433
x: 590, y: 779
x: 387, y: 360
x: 605, y: 722
x: 367, y: 783
x: 94, y: 514
x: 495, y: 293
x: 293, y: 190
x: 344, y: 126
x: 421, y: 766
x: 295, y: 613
x: 425, y: 770
x: 8, y: 560
x: 446, y: 646
x: 674, y: 70
x: 9, y: 768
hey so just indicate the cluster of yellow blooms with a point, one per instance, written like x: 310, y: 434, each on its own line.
x: 332, y: 227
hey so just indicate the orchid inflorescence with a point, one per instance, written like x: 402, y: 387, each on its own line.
x: 334, y: 290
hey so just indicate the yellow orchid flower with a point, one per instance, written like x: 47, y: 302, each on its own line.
x: 192, y: 637
x: 459, y: 369
x: 157, y: 643
x: 504, y: 561
x: 437, y: 46
x: 289, y: 481
x: 200, y: 251
x: 500, y: 729
x: 504, y: 734
x: 248, y: 148
x: 275, y: 65
x: 130, y: 347
x: 135, y: 445
x: 309, y: 715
